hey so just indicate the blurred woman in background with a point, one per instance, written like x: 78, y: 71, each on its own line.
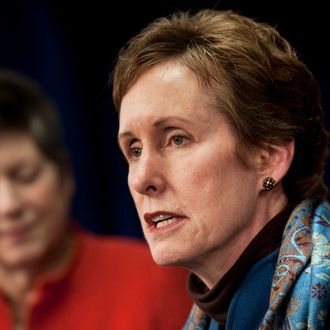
x: 53, y: 274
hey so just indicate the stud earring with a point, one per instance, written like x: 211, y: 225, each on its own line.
x: 269, y: 183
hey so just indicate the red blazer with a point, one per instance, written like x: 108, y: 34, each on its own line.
x: 112, y: 284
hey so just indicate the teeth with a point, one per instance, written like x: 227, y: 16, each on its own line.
x: 164, y: 223
x: 161, y: 217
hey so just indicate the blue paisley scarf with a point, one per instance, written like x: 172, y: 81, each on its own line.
x: 300, y: 294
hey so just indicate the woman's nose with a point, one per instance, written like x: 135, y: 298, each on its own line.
x: 9, y: 200
x: 146, y: 176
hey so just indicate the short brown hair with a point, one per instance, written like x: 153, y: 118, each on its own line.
x: 256, y: 78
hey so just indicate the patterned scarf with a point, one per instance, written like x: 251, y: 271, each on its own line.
x: 300, y: 294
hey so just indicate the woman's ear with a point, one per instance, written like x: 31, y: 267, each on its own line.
x: 274, y: 161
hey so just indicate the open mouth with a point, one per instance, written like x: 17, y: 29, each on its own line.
x: 162, y: 220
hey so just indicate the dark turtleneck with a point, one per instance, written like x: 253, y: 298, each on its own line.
x: 215, y: 302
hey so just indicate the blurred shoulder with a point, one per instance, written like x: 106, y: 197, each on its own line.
x: 124, y: 264
x: 128, y: 252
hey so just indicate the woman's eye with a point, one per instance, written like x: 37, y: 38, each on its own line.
x: 177, y: 139
x: 136, y: 152
x: 28, y: 176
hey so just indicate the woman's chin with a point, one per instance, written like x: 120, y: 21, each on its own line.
x: 167, y: 257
